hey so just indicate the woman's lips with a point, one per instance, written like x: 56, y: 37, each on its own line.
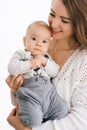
x: 56, y: 31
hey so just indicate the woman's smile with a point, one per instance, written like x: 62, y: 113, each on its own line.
x: 55, y: 31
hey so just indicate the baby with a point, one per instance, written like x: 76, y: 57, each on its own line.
x: 37, y: 98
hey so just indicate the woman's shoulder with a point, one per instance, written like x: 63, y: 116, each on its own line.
x: 83, y: 52
x: 82, y: 55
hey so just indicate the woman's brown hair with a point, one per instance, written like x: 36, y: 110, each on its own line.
x: 77, y: 10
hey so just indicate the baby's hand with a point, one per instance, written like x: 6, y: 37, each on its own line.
x: 35, y: 63
x: 38, y: 61
x: 43, y: 59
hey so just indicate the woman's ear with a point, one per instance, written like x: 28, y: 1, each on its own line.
x: 24, y: 41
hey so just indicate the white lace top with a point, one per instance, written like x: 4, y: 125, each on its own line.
x: 71, y: 84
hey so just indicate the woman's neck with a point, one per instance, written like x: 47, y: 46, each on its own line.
x: 61, y: 51
x: 64, y: 44
x: 61, y: 56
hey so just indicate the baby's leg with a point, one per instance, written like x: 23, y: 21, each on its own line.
x: 57, y: 108
x: 29, y: 108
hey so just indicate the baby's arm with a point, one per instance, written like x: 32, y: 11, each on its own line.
x: 22, y: 62
x: 19, y: 63
x: 51, y: 67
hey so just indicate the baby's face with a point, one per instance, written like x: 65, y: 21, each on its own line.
x: 38, y: 39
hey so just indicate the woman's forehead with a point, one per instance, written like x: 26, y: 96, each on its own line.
x: 59, y: 8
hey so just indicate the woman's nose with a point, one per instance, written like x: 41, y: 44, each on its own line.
x: 56, y: 23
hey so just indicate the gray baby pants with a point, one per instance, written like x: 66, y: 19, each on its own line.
x: 39, y: 101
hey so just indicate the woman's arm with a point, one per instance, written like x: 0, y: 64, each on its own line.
x: 14, y: 120
x: 14, y: 83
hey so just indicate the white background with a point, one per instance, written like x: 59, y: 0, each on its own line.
x: 15, y: 16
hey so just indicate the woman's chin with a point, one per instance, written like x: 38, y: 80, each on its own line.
x: 56, y: 37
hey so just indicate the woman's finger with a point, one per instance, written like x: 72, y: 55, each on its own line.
x: 15, y: 82
x: 14, y: 120
x: 19, y: 80
x: 12, y: 113
x: 10, y: 80
x: 17, y: 111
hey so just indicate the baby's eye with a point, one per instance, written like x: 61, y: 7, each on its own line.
x: 33, y: 38
x: 44, y: 41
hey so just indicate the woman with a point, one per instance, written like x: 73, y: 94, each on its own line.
x: 68, y: 22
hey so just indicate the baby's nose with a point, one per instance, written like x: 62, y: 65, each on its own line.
x: 38, y: 43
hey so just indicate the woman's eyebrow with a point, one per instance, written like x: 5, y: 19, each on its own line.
x: 52, y: 11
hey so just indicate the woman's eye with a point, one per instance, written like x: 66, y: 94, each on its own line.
x: 65, y: 21
x: 33, y: 38
x: 52, y: 14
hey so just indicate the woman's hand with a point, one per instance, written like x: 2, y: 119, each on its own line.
x: 15, y: 82
x: 14, y: 120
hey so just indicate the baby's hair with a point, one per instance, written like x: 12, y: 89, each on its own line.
x: 39, y: 23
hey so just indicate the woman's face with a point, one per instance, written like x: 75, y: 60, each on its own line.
x: 59, y: 21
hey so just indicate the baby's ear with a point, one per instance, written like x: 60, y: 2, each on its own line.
x: 24, y: 41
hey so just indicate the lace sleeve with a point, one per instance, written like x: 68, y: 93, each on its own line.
x: 82, y: 73
x: 79, y: 97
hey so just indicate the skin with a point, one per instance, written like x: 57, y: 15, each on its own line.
x: 60, y: 23
x: 13, y: 117
x: 37, y: 40
x: 62, y: 31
